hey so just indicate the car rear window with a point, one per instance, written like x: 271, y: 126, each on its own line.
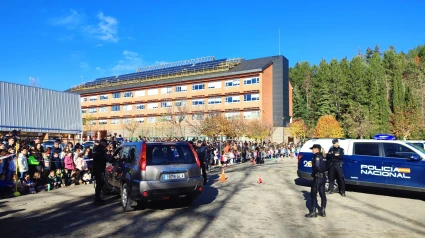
x: 366, y: 148
x: 169, y: 154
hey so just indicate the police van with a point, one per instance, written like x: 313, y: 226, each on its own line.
x: 377, y: 163
x: 419, y: 143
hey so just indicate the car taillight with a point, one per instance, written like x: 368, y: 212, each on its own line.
x: 300, y: 157
x: 142, y: 160
x: 196, y: 155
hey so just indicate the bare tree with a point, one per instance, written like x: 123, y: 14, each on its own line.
x: 131, y: 126
x: 176, y: 116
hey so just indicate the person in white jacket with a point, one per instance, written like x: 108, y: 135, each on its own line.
x: 23, y: 163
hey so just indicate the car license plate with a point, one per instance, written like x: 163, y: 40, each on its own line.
x: 173, y: 176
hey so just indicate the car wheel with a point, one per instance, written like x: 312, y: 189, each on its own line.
x: 126, y: 202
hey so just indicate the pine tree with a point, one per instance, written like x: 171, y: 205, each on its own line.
x: 322, y: 100
x: 299, y: 104
x: 357, y: 81
x: 338, y: 88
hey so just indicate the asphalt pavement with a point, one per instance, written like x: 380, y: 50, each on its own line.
x: 238, y: 207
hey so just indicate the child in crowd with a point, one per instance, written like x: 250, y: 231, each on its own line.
x: 46, y: 167
x: 28, y: 185
x: 23, y: 163
x: 69, y: 162
x: 58, y: 178
x: 55, y: 161
x: 76, y: 177
x: 6, y: 187
x: 12, y: 167
x: 51, y: 180
x: 87, y: 178
x: 38, y: 183
x: 66, y: 177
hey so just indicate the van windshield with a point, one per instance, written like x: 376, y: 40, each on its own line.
x: 169, y: 154
x: 418, y: 146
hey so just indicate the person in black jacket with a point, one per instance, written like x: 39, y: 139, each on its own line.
x: 99, y: 165
x: 319, y: 167
x: 201, y: 151
x: 335, y: 156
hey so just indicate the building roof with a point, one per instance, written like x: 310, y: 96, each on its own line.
x: 245, y: 66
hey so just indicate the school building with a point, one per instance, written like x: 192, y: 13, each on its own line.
x: 250, y: 89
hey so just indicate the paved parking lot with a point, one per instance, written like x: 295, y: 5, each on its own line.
x: 238, y: 207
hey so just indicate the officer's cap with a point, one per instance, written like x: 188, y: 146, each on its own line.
x: 335, y: 141
x: 317, y: 146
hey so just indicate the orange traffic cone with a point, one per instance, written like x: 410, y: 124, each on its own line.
x: 260, y: 180
x: 222, y: 176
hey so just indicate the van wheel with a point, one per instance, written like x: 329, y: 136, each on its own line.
x: 126, y: 201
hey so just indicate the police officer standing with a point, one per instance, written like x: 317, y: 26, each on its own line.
x: 201, y: 151
x: 335, y: 156
x: 319, y: 167
x: 99, y: 165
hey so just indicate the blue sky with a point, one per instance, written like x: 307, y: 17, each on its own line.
x: 57, y: 42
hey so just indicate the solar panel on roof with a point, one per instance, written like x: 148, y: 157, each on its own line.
x: 162, y: 71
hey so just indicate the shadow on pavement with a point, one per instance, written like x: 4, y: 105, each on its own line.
x: 2, y: 214
x: 307, y: 198
x: 385, y: 192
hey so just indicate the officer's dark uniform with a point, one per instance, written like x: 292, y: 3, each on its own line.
x: 99, y: 165
x: 202, y: 155
x: 319, y: 167
x: 335, y: 156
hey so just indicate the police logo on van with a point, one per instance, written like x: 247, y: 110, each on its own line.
x: 385, y: 171
x: 307, y: 163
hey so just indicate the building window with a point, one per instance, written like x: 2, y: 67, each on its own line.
x: 103, y: 109
x: 232, y: 83
x: 232, y: 99
x: 152, y: 105
x: 93, y: 98
x: 214, y: 85
x: 93, y: 110
x: 83, y: 111
x: 84, y: 99
x: 251, y: 81
x: 104, y: 97
x: 116, y: 95
x: 152, y: 92
x: 151, y: 119
x: 140, y: 93
x: 91, y: 122
x: 115, y: 108
x: 115, y: 121
x: 251, y: 114
x: 197, y: 117
x: 214, y: 114
x: 139, y: 120
x: 126, y: 121
x: 166, y: 90
x: 166, y: 104
x: 181, y: 88
x: 140, y: 106
x: 180, y: 103
x: 197, y: 102
x: 166, y: 118
x: 230, y: 115
x: 128, y: 94
x: 127, y: 107
x: 251, y: 97
x: 103, y: 122
x: 214, y: 100
x: 200, y: 86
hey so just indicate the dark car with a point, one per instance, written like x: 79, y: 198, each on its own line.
x: 147, y: 171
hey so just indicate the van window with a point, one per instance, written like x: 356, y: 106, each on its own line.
x: 366, y: 148
x: 419, y: 146
x: 396, y: 150
x: 128, y: 153
x: 169, y: 154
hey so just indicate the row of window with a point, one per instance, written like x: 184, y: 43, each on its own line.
x: 166, y: 90
x: 228, y: 115
x: 167, y: 104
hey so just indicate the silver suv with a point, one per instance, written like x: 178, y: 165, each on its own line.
x: 143, y: 172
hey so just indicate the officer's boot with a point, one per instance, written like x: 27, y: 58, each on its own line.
x: 312, y: 214
x: 322, y: 212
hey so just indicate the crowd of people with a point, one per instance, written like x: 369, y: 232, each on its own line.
x: 27, y: 167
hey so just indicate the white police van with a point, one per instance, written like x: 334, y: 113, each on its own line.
x: 390, y: 164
